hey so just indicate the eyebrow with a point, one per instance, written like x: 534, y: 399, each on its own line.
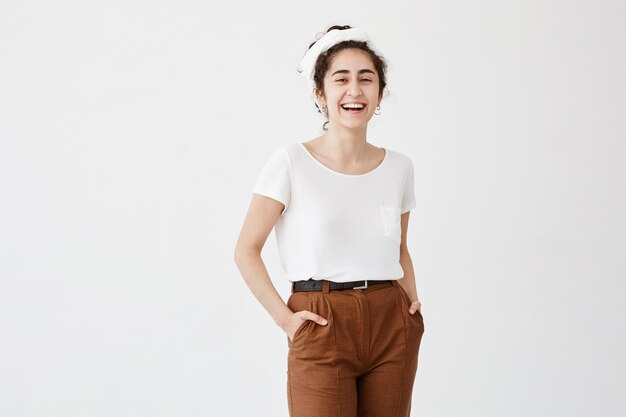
x: 345, y: 71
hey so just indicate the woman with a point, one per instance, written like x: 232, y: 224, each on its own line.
x: 341, y: 208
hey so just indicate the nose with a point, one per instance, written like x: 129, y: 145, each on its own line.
x: 354, y: 89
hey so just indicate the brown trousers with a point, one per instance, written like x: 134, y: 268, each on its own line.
x: 363, y: 362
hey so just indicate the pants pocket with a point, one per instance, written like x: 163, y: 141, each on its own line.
x: 299, y: 301
x: 407, y: 301
x: 299, y: 331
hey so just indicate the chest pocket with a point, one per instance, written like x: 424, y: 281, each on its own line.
x: 391, y: 221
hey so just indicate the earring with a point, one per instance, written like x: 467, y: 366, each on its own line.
x: 324, y: 111
x: 377, y: 108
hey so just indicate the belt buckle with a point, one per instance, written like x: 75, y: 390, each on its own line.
x: 362, y: 287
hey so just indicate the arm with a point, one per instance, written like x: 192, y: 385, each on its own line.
x: 259, y: 222
x: 408, y: 281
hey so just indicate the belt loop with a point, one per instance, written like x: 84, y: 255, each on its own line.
x: 325, y: 286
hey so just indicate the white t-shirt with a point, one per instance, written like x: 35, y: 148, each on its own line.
x: 336, y: 226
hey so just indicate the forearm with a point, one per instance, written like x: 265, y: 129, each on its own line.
x: 408, y: 281
x: 254, y: 272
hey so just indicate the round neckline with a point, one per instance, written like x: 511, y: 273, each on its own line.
x: 341, y: 173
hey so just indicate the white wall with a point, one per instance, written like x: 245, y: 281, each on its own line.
x: 131, y: 134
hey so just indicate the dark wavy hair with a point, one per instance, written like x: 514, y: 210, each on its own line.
x: 323, y: 63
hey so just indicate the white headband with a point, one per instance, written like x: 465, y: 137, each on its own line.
x: 333, y: 37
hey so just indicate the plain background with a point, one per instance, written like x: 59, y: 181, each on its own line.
x: 131, y: 134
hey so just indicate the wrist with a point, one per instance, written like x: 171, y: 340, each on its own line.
x: 283, y: 317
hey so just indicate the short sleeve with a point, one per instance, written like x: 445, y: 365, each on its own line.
x: 408, y: 195
x: 274, y: 179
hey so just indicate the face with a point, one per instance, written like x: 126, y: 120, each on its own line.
x: 351, y: 78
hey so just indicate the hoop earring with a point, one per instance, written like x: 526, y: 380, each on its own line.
x: 377, y: 108
x: 324, y: 111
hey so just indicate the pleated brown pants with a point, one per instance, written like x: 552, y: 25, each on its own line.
x: 363, y: 362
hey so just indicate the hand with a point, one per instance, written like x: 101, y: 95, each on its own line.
x: 415, y: 306
x: 298, y: 319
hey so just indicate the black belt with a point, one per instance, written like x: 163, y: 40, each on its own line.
x: 317, y: 285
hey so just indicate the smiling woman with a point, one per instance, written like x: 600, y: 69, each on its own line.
x: 328, y: 47
x: 340, y: 208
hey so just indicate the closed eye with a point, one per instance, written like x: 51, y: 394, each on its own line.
x: 343, y: 79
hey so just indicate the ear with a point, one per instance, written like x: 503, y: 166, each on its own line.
x: 318, y: 96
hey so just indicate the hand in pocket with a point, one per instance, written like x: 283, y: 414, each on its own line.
x: 299, y: 319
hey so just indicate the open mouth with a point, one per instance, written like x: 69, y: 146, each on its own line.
x: 353, y: 108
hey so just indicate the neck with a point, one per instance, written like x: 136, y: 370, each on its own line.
x: 347, y: 144
x: 341, y: 134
